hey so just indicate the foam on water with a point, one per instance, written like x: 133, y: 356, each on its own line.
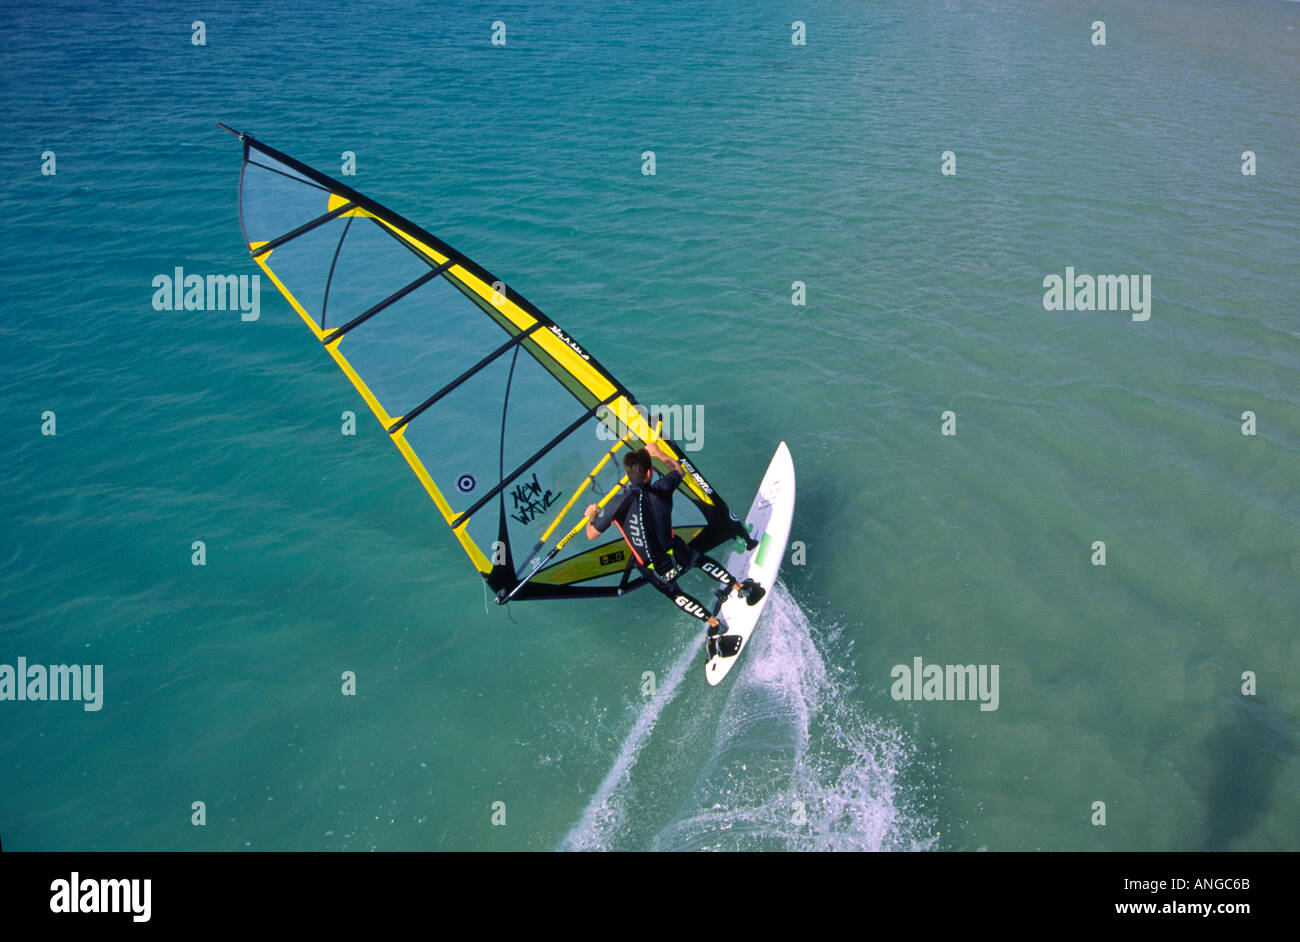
x: 793, y: 764
x: 798, y: 765
x: 606, y: 813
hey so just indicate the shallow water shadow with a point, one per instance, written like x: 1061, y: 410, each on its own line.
x: 1247, y: 752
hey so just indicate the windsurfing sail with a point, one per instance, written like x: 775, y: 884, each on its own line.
x: 510, y: 425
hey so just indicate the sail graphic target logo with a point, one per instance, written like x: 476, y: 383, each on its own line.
x: 466, y: 483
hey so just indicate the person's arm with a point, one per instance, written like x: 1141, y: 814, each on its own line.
x: 672, y: 463
x: 592, y: 513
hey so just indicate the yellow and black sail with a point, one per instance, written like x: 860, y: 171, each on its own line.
x: 505, y: 419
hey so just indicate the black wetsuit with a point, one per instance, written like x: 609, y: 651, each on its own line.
x: 644, y: 517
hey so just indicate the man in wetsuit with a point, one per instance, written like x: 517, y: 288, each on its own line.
x: 644, y: 517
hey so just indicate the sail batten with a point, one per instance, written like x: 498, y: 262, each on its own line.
x: 390, y: 300
x: 301, y: 230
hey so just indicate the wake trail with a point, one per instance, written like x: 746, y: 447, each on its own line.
x: 795, y: 761
x: 606, y: 813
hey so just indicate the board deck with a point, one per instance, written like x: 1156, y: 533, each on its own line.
x: 768, y: 521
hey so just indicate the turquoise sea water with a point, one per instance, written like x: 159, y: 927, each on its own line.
x: 775, y: 163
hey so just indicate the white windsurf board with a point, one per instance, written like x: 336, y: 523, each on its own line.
x: 768, y: 521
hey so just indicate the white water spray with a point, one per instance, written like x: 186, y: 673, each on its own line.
x: 794, y: 762
x: 605, y: 813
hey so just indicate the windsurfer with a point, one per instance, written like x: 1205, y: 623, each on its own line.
x: 644, y: 517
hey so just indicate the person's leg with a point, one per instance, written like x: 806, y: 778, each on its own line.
x: 688, y: 604
x: 717, y: 572
x: 716, y: 641
x: 749, y: 590
x: 687, y: 557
